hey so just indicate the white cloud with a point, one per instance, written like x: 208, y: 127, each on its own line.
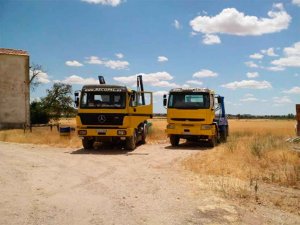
x: 211, y: 39
x: 104, y: 2
x: 251, y: 64
x: 119, y: 55
x: 292, y: 57
x: 158, y: 79
x: 195, y: 82
x: 269, y: 52
x: 231, y: 21
x: 73, y: 63
x: 94, y: 60
x: 116, y: 64
x: 296, y: 2
x: 42, y: 77
x: 177, y: 24
x: 193, y: 33
x: 205, y: 73
x: 249, y: 99
x: 112, y: 64
x: 281, y: 100
x: 252, y: 84
x: 275, y: 68
x: 160, y: 93
x: 292, y: 61
x: 162, y: 59
x: 294, y: 90
x: 256, y: 56
x: 74, y: 79
x: 252, y: 75
x: 293, y: 51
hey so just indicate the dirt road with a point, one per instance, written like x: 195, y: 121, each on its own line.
x: 46, y: 185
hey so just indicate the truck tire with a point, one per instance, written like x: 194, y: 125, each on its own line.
x: 88, y: 143
x: 174, y: 139
x: 223, y: 135
x: 144, y: 134
x: 131, y: 142
x: 214, y: 139
x: 212, y: 142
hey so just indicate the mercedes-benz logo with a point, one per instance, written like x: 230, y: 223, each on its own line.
x: 101, y: 119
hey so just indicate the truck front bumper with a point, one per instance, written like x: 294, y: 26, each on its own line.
x: 105, y: 132
x: 190, y: 130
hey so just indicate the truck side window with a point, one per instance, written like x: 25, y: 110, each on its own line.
x: 212, y: 101
x: 133, y: 99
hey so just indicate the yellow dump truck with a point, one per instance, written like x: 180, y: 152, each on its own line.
x: 195, y: 114
x: 113, y: 114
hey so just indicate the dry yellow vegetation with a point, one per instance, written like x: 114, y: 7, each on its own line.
x: 255, y: 164
x: 255, y: 150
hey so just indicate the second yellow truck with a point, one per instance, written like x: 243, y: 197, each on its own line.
x: 195, y: 114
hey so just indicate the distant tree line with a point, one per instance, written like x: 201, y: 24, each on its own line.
x: 249, y: 116
x: 246, y: 116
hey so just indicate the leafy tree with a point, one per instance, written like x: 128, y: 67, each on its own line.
x: 58, y: 101
x: 38, y: 114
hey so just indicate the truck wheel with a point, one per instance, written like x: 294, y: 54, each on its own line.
x: 174, y: 140
x: 223, y: 135
x: 131, y: 143
x: 88, y: 143
x: 144, y: 134
x: 212, y: 142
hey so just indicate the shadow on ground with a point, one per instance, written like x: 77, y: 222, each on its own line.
x: 190, y: 145
x: 100, y: 149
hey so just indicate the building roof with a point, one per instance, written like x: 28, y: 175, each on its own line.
x: 8, y: 51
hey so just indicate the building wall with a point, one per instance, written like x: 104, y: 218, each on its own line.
x: 14, y: 90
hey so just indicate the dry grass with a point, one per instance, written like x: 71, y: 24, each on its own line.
x: 157, y: 131
x: 256, y: 163
x: 255, y: 150
x: 43, y: 135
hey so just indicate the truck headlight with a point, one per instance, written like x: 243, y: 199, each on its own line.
x: 121, y: 132
x: 171, y: 126
x: 206, y: 127
x: 82, y: 132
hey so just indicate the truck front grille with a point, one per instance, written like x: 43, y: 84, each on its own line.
x: 101, y: 119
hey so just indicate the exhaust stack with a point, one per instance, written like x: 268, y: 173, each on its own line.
x: 101, y: 80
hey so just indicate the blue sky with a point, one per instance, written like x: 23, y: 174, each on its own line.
x: 247, y: 51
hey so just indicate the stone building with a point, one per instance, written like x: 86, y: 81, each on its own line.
x: 14, y: 88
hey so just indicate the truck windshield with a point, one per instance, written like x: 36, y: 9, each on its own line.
x: 187, y: 100
x: 103, y: 100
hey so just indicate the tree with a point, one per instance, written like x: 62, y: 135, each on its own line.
x: 35, y: 71
x: 58, y: 101
x: 38, y: 114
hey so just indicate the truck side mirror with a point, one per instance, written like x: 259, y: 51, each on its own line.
x: 76, y: 99
x: 165, y: 100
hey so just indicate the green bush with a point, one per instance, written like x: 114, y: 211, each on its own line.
x: 38, y: 115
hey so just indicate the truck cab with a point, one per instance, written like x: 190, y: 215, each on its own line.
x: 113, y: 114
x: 195, y: 114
